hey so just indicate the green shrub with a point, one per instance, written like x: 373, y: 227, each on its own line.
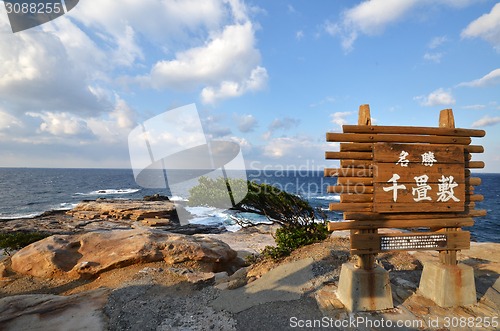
x: 289, y: 238
x: 13, y: 241
x: 295, y: 216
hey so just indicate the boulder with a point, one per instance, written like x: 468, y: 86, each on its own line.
x: 88, y: 254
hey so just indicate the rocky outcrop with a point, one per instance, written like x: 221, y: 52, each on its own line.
x: 53, y: 312
x: 126, y: 210
x: 88, y: 254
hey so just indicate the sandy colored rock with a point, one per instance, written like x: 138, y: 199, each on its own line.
x: 134, y: 210
x: 91, y: 253
x: 53, y: 312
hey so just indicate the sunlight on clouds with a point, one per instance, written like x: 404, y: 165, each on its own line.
x: 486, y: 27
x: 439, y: 97
x: 59, y: 124
x: 492, y: 78
x: 486, y: 121
x: 339, y: 118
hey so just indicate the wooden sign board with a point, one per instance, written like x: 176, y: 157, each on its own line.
x: 416, y: 177
x: 405, y: 177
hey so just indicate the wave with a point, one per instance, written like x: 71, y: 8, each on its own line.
x: 328, y: 197
x: 19, y: 216
x: 111, y: 191
x: 177, y: 198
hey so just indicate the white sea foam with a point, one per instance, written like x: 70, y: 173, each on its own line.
x: 328, y: 197
x: 177, y: 198
x: 111, y: 191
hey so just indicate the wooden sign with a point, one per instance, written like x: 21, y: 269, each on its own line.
x: 405, y: 177
x: 412, y: 177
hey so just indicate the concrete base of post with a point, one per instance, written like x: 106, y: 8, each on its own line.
x: 364, y: 290
x: 448, y: 285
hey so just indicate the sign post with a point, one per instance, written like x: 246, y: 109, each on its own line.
x: 405, y: 177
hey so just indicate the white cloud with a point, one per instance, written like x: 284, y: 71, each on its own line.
x: 474, y: 107
x: 299, y: 35
x: 486, y: 121
x: 372, y: 17
x: 433, y: 57
x: 439, y: 97
x: 284, y: 123
x: 492, y: 78
x: 246, y: 123
x: 486, y: 27
x: 339, y: 118
x: 61, y: 124
x: 230, y: 89
x: 437, y: 41
x: 369, y: 17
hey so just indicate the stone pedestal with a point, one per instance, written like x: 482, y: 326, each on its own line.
x: 364, y: 290
x: 448, y: 285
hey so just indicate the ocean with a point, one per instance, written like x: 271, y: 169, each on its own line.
x: 28, y: 192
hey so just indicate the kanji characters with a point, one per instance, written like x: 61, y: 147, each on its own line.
x: 403, y: 161
x: 394, y: 188
x: 445, y: 187
x: 428, y: 159
x: 421, y: 189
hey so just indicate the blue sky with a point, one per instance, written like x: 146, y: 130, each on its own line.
x: 274, y: 76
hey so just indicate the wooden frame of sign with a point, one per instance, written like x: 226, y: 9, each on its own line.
x: 405, y: 177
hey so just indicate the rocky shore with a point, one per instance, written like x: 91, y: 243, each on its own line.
x: 105, y: 268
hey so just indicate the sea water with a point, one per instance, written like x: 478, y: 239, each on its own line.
x: 27, y: 192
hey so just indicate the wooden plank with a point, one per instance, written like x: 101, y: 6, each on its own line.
x: 358, y: 189
x: 401, y: 224
x: 356, y: 147
x: 356, y: 163
x: 475, y: 197
x: 474, y: 181
x: 348, y: 155
x: 474, y: 164
x: 369, y: 138
x: 407, y: 154
x: 347, y: 198
x: 373, y: 243
x: 474, y: 149
x: 410, y: 207
x: 413, y: 130
x: 361, y: 206
x: 355, y: 181
x: 369, y: 216
x: 348, y: 172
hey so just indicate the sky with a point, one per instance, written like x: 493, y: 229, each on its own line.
x: 272, y: 76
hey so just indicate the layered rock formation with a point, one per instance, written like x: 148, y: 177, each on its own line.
x: 88, y: 254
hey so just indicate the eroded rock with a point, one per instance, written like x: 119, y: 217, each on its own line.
x: 88, y: 254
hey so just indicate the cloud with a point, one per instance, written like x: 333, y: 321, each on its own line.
x: 492, y: 78
x: 433, y: 57
x: 61, y: 124
x: 369, y: 17
x: 439, y: 97
x: 372, y: 17
x: 284, y: 123
x: 437, y: 41
x: 298, y: 147
x: 339, y: 118
x: 230, y: 89
x: 299, y: 35
x: 474, y: 107
x: 225, y: 63
x: 486, y: 121
x: 486, y: 27
x: 246, y: 123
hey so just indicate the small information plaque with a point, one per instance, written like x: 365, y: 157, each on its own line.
x: 413, y: 242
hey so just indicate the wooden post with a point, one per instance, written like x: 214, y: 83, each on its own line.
x: 365, y: 261
x: 447, y: 120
